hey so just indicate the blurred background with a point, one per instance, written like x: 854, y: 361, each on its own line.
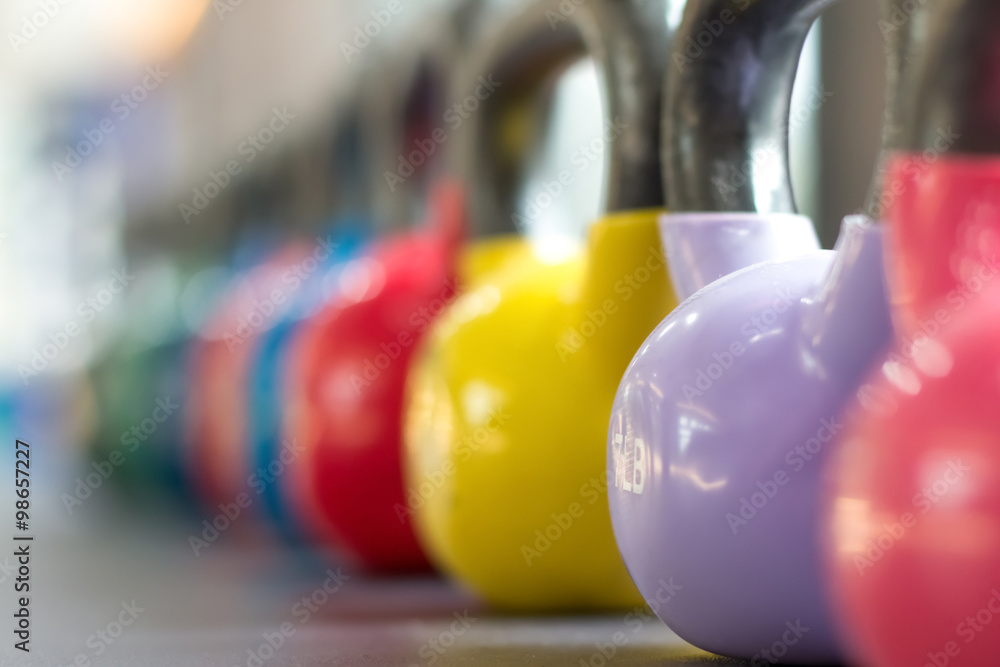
x: 120, y: 222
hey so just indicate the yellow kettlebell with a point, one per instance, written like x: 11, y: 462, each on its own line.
x: 509, y: 400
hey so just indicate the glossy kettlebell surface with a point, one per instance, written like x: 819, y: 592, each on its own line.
x: 477, y: 416
x: 913, y: 506
x: 716, y: 443
x: 509, y: 402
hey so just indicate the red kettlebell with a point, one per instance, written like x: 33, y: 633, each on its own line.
x: 912, y: 515
x: 348, y: 373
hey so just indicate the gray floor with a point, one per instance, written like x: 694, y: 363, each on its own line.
x: 215, y: 610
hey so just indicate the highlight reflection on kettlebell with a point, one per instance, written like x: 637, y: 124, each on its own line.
x: 482, y: 362
x: 913, y: 488
x: 727, y: 481
x: 435, y: 337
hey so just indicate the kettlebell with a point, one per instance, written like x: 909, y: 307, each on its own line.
x: 275, y: 462
x: 508, y: 403
x: 236, y: 454
x: 725, y: 415
x: 912, y: 510
x: 277, y: 459
x: 350, y: 363
x: 138, y: 387
x: 216, y: 414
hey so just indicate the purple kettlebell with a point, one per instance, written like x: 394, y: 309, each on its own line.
x: 723, y: 419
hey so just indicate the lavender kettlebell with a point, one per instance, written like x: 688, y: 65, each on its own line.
x: 723, y: 419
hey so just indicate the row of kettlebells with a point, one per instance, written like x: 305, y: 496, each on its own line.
x: 798, y: 463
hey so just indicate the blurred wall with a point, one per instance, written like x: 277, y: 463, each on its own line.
x: 853, y: 70
x: 254, y: 68
x: 227, y: 73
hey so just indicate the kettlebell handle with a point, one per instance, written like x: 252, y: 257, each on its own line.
x: 406, y: 77
x: 725, y: 141
x: 350, y: 147
x: 627, y: 40
x: 411, y: 92
x: 905, y: 39
x: 953, y: 84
